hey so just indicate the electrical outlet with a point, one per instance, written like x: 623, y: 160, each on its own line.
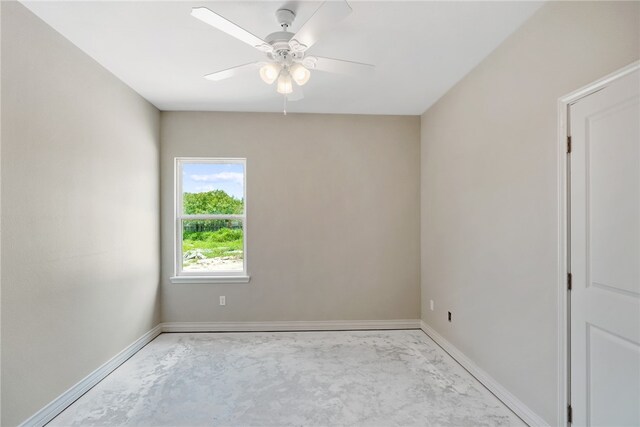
x: 431, y: 304
x: 449, y: 315
x: 223, y: 300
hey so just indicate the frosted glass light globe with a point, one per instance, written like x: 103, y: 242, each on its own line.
x: 300, y: 74
x: 285, y: 85
x: 269, y: 73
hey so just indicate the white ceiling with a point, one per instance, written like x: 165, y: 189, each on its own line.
x: 420, y: 49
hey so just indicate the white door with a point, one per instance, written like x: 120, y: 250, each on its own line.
x: 605, y: 255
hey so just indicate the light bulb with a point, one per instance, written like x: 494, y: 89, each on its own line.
x: 285, y: 85
x: 269, y: 72
x: 300, y: 74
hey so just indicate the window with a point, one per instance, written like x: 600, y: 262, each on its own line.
x: 210, y: 220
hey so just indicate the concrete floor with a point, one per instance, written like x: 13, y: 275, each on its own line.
x: 364, y: 378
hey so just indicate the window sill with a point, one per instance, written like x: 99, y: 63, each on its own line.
x: 210, y: 279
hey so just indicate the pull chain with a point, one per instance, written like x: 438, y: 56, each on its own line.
x: 285, y: 105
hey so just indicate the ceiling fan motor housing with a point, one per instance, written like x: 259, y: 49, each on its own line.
x: 280, y: 41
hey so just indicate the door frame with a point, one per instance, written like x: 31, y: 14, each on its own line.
x: 563, y: 321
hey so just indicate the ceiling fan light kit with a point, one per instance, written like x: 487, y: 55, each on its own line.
x: 287, y: 60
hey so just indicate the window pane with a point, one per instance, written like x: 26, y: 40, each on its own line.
x: 212, y: 245
x: 213, y: 188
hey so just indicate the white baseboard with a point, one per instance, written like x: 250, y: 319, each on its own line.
x: 49, y: 412
x: 512, y: 402
x: 320, y: 325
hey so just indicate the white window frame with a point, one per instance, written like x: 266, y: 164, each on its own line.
x: 181, y: 276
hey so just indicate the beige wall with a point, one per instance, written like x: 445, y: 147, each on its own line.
x: 489, y: 192
x: 80, y: 200
x: 333, y: 216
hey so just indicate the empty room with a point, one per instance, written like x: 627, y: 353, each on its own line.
x: 319, y: 213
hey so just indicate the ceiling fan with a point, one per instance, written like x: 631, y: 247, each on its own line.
x: 287, y: 62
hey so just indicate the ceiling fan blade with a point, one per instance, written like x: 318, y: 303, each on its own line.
x: 223, y: 24
x: 297, y: 93
x: 230, y: 72
x: 324, y: 18
x: 340, y: 66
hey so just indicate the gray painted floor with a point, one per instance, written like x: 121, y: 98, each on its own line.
x: 364, y: 378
